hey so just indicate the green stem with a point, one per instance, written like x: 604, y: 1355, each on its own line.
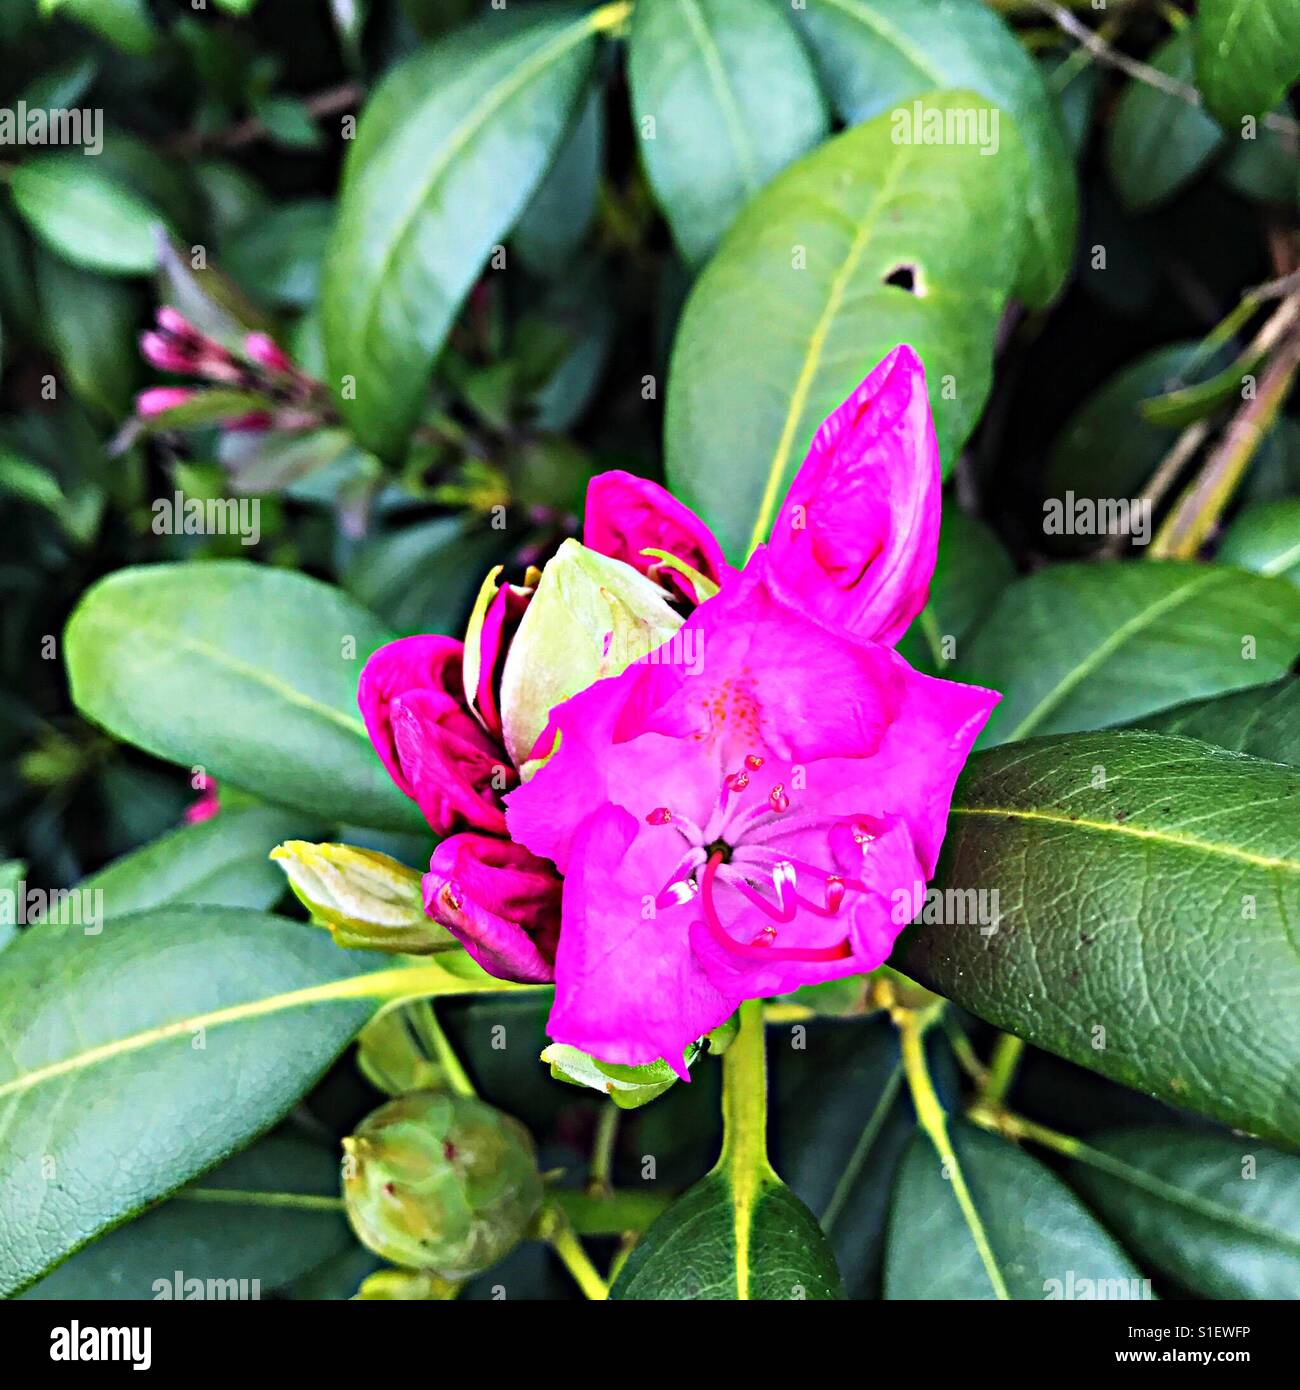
x: 235, y: 1197
x: 744, y: 1099
x: 866, y: 1141
x: 934, y: 1121
x: 559, y: 1234
x: 602, y: 1151
x: 436, y: 1039
x: 1007, y: 1052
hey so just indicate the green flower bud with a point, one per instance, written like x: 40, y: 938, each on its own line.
x: 365, y: 898
x: 628, y: 1087
x: 443, y: 1183
x: 392, y: 1056
x: 406, y: 1286
x: 591, y: 617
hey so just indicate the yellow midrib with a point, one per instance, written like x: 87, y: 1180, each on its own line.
x: 1135, y: 832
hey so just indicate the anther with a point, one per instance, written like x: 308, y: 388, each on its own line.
x: 737, y: 781
x: 765, y: 937
x: 834, y: 892
x: 753, y: 762
x: 777, y: 799
x: 661, y: 815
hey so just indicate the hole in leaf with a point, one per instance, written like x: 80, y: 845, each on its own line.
x: 904, y: 277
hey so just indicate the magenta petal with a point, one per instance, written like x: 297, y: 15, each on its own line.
x: 855, y: 542
x: 628, y: 988
x: 500, y: 623
x: 458, y: 772
x: 627, y: 515
x: 499, y: 901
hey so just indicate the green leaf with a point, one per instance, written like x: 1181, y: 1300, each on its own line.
x: 555, y: 223
x: 723, y: 96
x: 447, y: 154
x: 247, y: 672
x: 204, y: 1025
x: 1157, y: 142
x: 707, y: 1245
x: 1266, y: 540
x: 88, y: 217
x: 1044, y: 1241
x: 219, y: 862
x: 1219, y: 1214
x: 126, y: 24
x: 90, y: 322
x: 1146, y: 888
x: 267, y: 1216
x: 796, y: 307
x: 20, y: 477
x: 278, y: 258
x: 1263, y: 721
x: 877, y: 54
x: 1084, y: 646
x: 972, y: 569
x: 1247, y: 55
x: 13, y: 877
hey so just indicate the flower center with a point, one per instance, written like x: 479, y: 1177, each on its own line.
x: 732, y: 850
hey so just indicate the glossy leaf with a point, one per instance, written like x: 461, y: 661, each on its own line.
x: 723, y: 96
x: 1265, y: 539
x: 797, y: 306
x: 1044, y: 1242
x: 1084, y: 646
x: 707, y: 1245
x: 1218, y: 1213
x: 447, y: 153
x: 1247, y: 55
x: 1146, y: 886
x: 555, y: 223
x: 247, y: 672
x: 876, y: 55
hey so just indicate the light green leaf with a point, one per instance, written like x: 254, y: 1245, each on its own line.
x: 875, y: 55
x: 1146, y: 886
x: 1266, y: 540
x: 126, y: 24
x: 798, y: 305
x: 88, y: 217
x: 1247, y: 55
x: 723, y: 96
x: 1084, y: 646
x: 1220, y: 1214
x: 1157, y: 142
x: 245, y: 671
x: 1044, y: 1241
x: 447, y: 154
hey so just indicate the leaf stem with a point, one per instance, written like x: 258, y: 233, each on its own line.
x: 557, y: 1231
x: 457, y: 1076
x: 744, y: 1097
x: 1003, y: 1065
x: 602, y: 1149
x: 934, y: 1121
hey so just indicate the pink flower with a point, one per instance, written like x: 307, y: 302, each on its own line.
x: 500, y: 901
x: 157, y: 399
x: 438, y: 754
x: 766, y: 817
x: 206, y: 806
x: 266, y: 352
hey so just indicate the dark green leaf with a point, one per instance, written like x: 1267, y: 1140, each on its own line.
x: 796, y: 307
x: 1265, y: 539
x: 1221, y: 1215
x: 447, y: 154
x: 1263, y: 721
x: 722, y: 97
x: 1157, y: 142
x: 1043, y: 1240
x: 247, y: 672
x: 707, y: 1245
x: 1085, y: 646
x: 555, y: 223
x: 90, y: 322
x: 1146, y: 886
x: 877, y: 54
x: 124, y: 23
x: 278, y: 258
x: 265, y: 1217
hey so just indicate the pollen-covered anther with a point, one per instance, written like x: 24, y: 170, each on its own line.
x: 863, y: 833
x: 682, y: 891
x: 737, y: 781
x: 777, y: 799
x: 451, y: 896
x: 764, y: 937
x: 753, y: 762
x: 835, y: 891
x: 661, y: 815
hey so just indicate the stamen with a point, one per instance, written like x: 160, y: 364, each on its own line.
x: 835, y: 890
x: 753, y: 762
x: 765, y: 937
x: 737, y: 781
x: 713, y: 924
x: 678, y: 893
x: 661, y: 815
x: 778, y: 800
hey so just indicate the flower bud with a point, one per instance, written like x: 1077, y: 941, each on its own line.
x: 442, y: 1183
x: 266, y: 352
x: 158, y: 399
x: 406, y: 1286
x: 501, y: 902
x: 366, y: 899
x: 628, y: 1087
x: 591, y: 617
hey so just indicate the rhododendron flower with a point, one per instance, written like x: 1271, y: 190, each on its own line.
x: 766, y: 818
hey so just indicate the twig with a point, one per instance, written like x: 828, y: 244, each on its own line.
x: 1138, y: 70
x: 247, y: 132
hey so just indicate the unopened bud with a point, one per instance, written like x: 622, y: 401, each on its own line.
x: 406, y: 1286
x: 366, y: 899
x: 628, y: 1087
x: 158, y: 399
x: 266, y: 352
x: 441, y: 1183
